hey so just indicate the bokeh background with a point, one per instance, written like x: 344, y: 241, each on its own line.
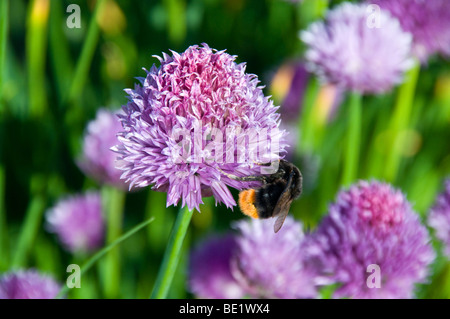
x: 54, y: 79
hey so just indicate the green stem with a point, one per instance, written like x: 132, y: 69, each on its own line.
x: 36, y: 45
x: 172, y: 254
x: 353, y: 140
x: 113, y: 203
x: 29, y: 230
x: 4, y: 246
x: 87, y: 53
x: 4, y: 24
x: 176, y: 22
x: 400, y: 121
x: 309, y: 11
x: 306, y: 125
x: 91, y: 261
x: 155, y: 207
x: 59, y: 49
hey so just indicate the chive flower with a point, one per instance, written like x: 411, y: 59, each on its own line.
x: 371, y: 244
x: 97, y: 159
x: 191, y: 122
x: 356, y: 52
x: 439, y: 218
x: 28, y: 284
x: 78, y: 222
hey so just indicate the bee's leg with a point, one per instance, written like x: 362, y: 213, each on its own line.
x: 245, y: 178
x: 262, y: 164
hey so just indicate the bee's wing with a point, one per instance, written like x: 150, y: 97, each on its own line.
x: 283, y: 205
x: 282, y: 210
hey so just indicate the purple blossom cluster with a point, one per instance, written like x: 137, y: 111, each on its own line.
x: 427, y: 20
x: 28, y: 284
x: 371, y: 223
x: 98, y: 160
x: 352, y: 51
x: 204, y: 101
x: 371, y: 244
x: 439, y: 218
x: 78, y: 222
x: 255, y: 263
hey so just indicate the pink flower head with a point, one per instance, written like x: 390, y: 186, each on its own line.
x: 427, y: 20
x: 371, y: 226
x: 356, y: 53
x: 439, y: 217
x: 272, y: 265
x: 210, y: 273
x: 28, y: 284
x: 194, y: 118
x: 78, y: 222
x: 98, y: 160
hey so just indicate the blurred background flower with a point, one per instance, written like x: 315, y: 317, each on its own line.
x: 371, y: 223
x: 254, y: 262
x: 98, y: 160
x: 210, y: 269
x: 439, y: 217
x: 272, y: 265
x: 428, y: 22
x: 28, y: 284
x: 78, y: 222
x: 345, y: 50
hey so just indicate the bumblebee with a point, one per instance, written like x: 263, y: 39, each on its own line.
x: 275, y: 196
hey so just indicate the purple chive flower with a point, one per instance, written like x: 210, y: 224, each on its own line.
x: 78, y: 222
x: 439, y: 218
x: 28, y: 284
x: 350, y: 50
x: 182, y: 123
x: 427, y: 20
x: 272, y: 265
x: 210, y: 269
x: 98, y: 160
x: 369, y: 224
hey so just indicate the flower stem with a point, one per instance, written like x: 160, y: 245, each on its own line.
x: 4, y: 25
x: 306, y: 124
x: 4, y: 249
x: 29, y: 230
x: 91, y: 261
x: 36, y: 45
x: 83, y: 65
x: 59, y: 49
x: 176, y: 25
x: 113, y: 203
x: 400, y: 121
x: 155, y: 207
x: 172, y: 254
x: 353, y: 140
